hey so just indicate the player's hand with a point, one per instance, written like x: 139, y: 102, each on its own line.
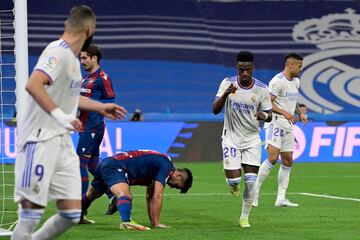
x: 231, y: 89
x: 304, y: 119
x: 77, y: 125
x: 66, y: 120
x: 113, y: 111
x: 162, y: 226
x: 290, y: 117
x: 261, y: 116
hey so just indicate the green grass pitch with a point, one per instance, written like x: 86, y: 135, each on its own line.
x: 328, y: 194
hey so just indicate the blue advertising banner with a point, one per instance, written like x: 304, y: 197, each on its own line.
x: 316, y: 142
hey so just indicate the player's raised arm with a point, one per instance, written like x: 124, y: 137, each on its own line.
x: 110, y: 110
x: 220, y: 102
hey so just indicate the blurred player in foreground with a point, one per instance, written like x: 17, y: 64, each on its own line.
x: 139, y: 167
x: 246, y: 101
x: 47, y: 166
x: 284, y: 90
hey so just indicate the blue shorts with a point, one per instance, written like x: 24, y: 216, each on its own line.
x: 90, y: 140
x: 108, y: 174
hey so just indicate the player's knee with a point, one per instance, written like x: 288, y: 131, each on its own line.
x: 72, y: 215
x: 287, y: 163
x: 91, y: 193
x: 233, y: 181
x: 272, y: 158
x: 287, y: 160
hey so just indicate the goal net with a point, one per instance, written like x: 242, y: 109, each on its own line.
x: 9, y: 102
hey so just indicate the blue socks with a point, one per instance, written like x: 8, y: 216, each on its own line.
x: 124, y: 207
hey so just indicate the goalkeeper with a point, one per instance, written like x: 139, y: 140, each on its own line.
x: 139, y: 167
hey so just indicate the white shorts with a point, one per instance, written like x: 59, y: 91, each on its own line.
x: 279, y: 138
x: 233, y: 157
x: 48, y: 170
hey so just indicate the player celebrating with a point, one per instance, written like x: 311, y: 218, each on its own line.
x: 139, y: 167
x: 246, y: 101
x: 284, y: 90
x: 47, y: 166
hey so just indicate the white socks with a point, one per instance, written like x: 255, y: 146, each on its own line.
x: 233, y: 181
x: 58, y: 224
x: 283, y: 179
x: 264, y: 171
x: 28, y: 219
x: 248, y: 195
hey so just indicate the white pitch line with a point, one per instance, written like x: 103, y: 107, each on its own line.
x: 292, y: 193
x: 329, y: 196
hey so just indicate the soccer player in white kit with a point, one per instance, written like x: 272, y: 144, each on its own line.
x: 47, y: 166
x: 284, y: 90
x: 246, y: 101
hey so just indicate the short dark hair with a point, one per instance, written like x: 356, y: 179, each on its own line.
x: 188, y: 180
x: 294, y: 55
x: 79, y: 16
x: 245, y: 56
x: 93, y: 50
x: 302, y: 105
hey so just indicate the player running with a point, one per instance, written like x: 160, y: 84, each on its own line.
x: 284, y: 90
x: 246, y: 101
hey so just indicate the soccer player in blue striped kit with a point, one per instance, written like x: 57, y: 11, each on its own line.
x: 97, y: 86
x: 139, y: 167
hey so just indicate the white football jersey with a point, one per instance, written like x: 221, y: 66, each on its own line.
x: 286, y: 92
x: 62, y: 67
x: 241, y: 129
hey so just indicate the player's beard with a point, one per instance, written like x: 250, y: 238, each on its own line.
x: 87, y: 43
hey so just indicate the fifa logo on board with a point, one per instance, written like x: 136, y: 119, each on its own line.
x: 330, y: 81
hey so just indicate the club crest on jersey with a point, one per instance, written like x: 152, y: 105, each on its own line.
x: 36, y: 189
x: 333, y: 69
x: 253, y: 98
x: 105, y: 77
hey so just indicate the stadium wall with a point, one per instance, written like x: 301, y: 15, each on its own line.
x: 170, y: 56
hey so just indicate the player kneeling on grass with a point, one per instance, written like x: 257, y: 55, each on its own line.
x: 139, y: 167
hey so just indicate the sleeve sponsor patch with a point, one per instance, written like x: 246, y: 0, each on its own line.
x: 52, y: 62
